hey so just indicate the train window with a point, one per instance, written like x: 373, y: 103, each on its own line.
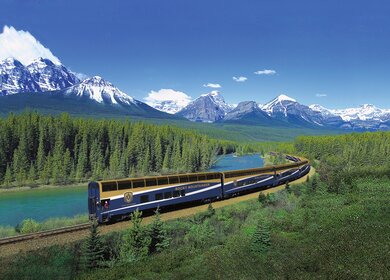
x: 109, y: 187
x: 201, y: 177
x: 139, y: 184
x: 167, y: 195
x: 183, y: 179
x: 193, y: 178
x: 162, y: 181
x: 173, y: 180
x: 150, y: 182
x: 210, y: 176
x: 176, y: 193
x: 124, y: 185
x: 144, y: 198
x: 159, y: 196
x: 182, y: 192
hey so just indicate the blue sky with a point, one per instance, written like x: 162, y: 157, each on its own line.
x: 339, y: 50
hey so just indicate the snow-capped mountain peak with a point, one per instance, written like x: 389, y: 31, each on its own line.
x: 279, y: 104
x: 101, y: 91
x: 363, y: 112
x: 283, y: 97
x: 9, y: 63
x: 209, y: 107
x: 50, y: 76
x: 216, y: 97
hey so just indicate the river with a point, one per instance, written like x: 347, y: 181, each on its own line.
x: 42, y: 204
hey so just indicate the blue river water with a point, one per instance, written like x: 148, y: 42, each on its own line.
x: 42, y: 204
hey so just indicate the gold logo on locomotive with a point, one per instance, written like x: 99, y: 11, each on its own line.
x: 128, y: 197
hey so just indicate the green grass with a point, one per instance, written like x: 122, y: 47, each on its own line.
x: 30, y: 226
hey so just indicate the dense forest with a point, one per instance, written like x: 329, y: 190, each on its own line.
x: 346, y: 157
x: 40, y: 149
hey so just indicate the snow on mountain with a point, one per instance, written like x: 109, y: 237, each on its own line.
x: 40, y: 76
x: 325, y: 112
x: 219, y: 100
x: 101, y: 91
x: 208, y: 107
x: 248, y: 112
x: 168, y: 100
x: 15, y: 78
x: 364, y: 112
x: 279, y: 104
x: 50, y: 76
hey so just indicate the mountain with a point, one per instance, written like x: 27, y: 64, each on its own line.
x: 248, y: 112
x: 287, y: 109
x: 100, y: 91
x: 364, y: 112
x: 209, y: 107
x: 50, y: 76
x: 40, y: 76
x: 15, y: 78
x: 365, y: 117
x: 52, y: 88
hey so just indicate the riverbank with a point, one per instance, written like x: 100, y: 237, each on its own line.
x: 42, y: 187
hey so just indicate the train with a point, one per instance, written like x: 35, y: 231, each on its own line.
x: 112, y: 200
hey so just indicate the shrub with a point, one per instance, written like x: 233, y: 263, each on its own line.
x: 28, y: 226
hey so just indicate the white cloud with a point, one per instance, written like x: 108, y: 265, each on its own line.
x: 210, y: 85
x: 265, y: 72
x: 22, y: 46
x: 81, y: 76
x: 240, y: 79
x: 168, y: 100
x: 321, y: 95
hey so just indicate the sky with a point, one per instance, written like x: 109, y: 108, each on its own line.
x: 335, y: 53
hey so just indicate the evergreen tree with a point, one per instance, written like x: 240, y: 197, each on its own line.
x: 67, y: 166
x: 136, y: 241
x: 166, y: 163
x: 8, y: 177
x: 210, y: 210
x: 32, y: 174
x: 158, y: 154
x: 94, y: 248
x: 82, y: 161
x: 261, y: 239
x: 158, y: 234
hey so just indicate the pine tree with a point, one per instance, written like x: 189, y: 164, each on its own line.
x: 135, y: 241
x: 158, y: 154
x: 166, y: 163
x: 41, y: 154
x: 8, y: 177
x: 82, y: 162
x: 210, y: 210
x: 32, y: 174
x: 94, y: 248
x: 158, y: 234
x: 67, y: 166
x: 145, y: 167
x: 261, y: 239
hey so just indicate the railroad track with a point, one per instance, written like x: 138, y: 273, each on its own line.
x: 40, y: 234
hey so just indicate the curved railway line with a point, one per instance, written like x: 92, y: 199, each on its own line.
x: 34, y: 240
